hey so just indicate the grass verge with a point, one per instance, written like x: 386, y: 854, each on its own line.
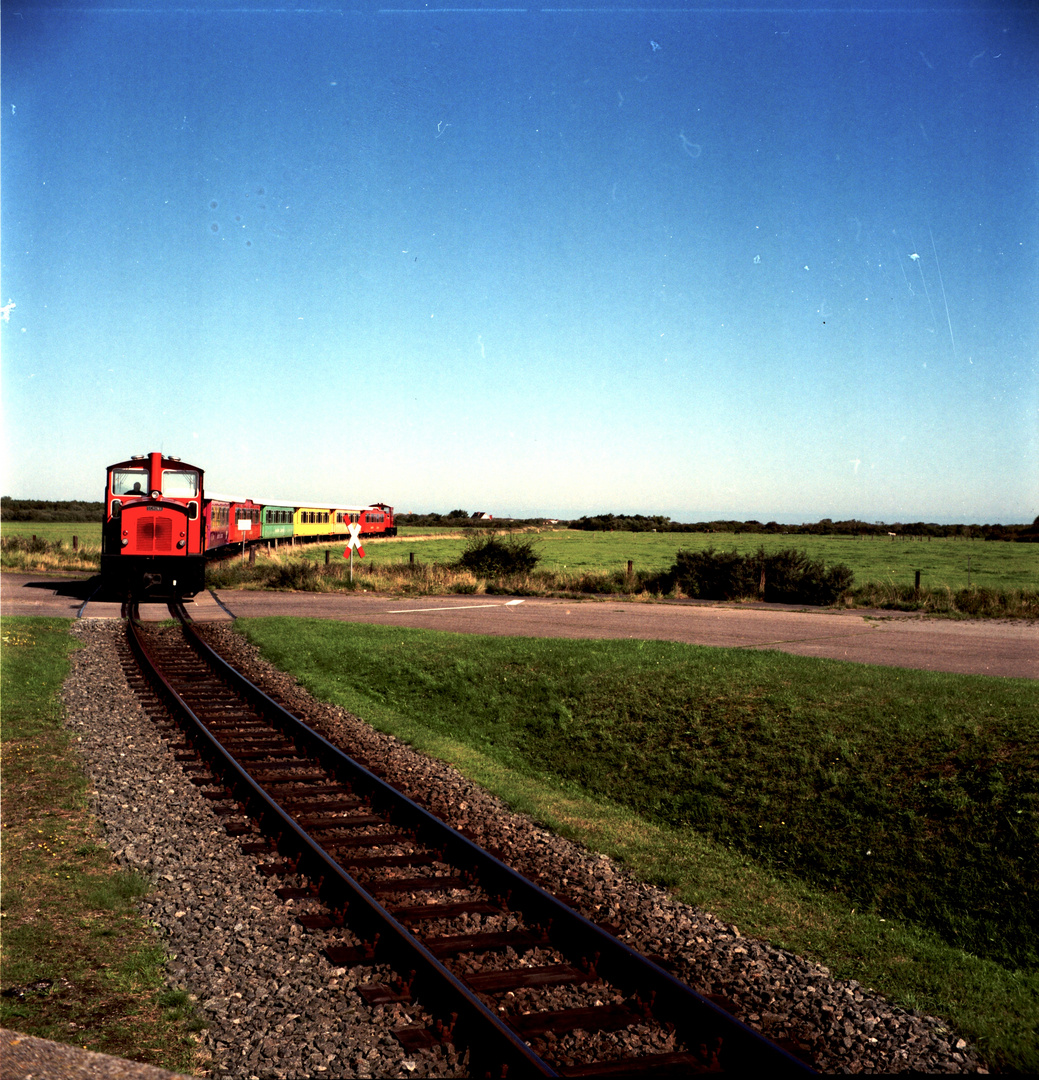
x: 80, y: 966
x: 883, y: 822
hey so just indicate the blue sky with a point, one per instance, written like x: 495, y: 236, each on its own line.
x: 774, y: 263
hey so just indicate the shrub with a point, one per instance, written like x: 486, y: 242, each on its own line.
x: 35, y: 545
x: 714, y: 575
x: 498, y: 556
x: 300, y: 574
x: 789, y: 576
x: 792, y: 577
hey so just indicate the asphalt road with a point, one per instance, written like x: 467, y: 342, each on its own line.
x: 978, y: 647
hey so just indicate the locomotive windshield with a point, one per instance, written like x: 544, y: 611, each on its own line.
x: 130, y: 482
x: 179, y: 484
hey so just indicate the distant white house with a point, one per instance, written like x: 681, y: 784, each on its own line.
x: 481, y: 516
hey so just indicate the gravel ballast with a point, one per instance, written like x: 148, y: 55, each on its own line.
x: 274, y: 1005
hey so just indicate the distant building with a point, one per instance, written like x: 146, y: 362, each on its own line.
x: 481, y: 516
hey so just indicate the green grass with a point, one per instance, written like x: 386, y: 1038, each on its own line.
x: 70, y: 927
x: 883, y: 821
x: 88, y: 532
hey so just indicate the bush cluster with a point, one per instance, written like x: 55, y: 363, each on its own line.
x: 787, y: 576
x: 30, y: 545
x: 499, y: 556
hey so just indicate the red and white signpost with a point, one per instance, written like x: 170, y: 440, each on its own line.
x: 354, y: 542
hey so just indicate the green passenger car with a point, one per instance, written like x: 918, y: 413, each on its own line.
x: 277, y: 521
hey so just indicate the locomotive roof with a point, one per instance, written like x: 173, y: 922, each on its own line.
x: 139, y: 461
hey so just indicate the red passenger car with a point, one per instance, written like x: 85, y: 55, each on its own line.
x: 217, y: 515
x: 152, y: 540
x: 246, y: 521
x: 230, y: 519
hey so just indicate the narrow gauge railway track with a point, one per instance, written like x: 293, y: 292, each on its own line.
x: 508, y: 971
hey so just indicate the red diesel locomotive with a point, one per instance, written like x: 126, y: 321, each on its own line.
x: 160, y: 526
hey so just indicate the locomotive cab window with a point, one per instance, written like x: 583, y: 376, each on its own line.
x: 130, y: 482
x: 179, y: 484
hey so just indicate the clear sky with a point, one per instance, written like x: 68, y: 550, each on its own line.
x: 775, y: 262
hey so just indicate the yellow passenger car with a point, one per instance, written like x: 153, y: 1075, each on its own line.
x: 313, y: 521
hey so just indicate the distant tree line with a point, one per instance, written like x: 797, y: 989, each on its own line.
x: 42, y: 510
x: 462, y: 519
x: 825, y: 527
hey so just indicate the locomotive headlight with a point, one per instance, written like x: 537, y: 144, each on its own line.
x: 182, y: 543
x: 156, y: 494
x: 123, y: 542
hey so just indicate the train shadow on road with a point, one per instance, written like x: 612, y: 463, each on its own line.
x: 77, y: 589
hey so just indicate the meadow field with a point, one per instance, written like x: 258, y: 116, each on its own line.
x: 942, y: 562
x: 88, y: 532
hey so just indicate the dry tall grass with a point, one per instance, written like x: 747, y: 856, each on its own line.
x: 35, y: 555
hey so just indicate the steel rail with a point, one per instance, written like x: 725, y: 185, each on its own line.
x: 743, y: 1048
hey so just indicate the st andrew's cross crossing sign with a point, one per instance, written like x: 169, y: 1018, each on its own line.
x: 355, y: 540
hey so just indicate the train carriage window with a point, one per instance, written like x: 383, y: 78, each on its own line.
x: 179, y: 483
x: 130, y: 482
